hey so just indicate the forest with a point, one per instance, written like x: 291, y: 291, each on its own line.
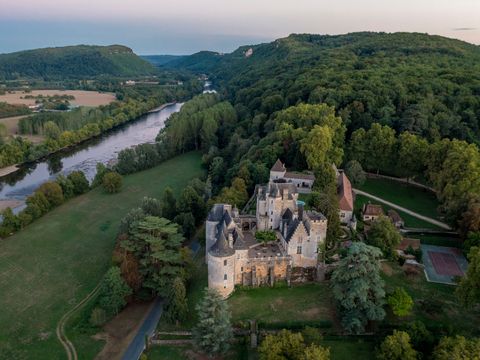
x: 73, y: 62
x: 427, y: 85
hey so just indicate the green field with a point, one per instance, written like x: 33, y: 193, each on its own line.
x: 410, y: 221
x: 311, y: 302
x: 407, y: 196
x: 55, y: 262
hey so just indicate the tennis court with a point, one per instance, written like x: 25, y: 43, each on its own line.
x: 443, y: 264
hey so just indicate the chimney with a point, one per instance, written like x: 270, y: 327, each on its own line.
x: 300, y: 212
x: 230, y: 240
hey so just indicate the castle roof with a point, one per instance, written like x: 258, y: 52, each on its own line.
x: 221, y: 247
x: 297, y: 175
x: 315, y: 215
x: 278, y: 189
x: 278, y: 166
x: 345, y: 194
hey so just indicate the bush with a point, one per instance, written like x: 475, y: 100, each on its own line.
x: 112, y: 182
x: 266, y: 236
x: 400, y: 302
x: 53, y: 192
x: 79, y: 182
x: 98, y: 317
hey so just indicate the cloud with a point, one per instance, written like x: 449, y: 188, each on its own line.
x: 464, y: 29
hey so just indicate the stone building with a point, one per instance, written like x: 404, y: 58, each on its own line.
x: 235, y: 257
x: 302, y: 181
x: 371, y: 212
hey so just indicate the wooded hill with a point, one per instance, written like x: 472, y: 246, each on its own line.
x: 74, y: 62
x: 428, y: 85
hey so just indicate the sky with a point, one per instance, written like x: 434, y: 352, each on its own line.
x: 188, y: 26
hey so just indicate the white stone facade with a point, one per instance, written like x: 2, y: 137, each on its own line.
x: 234, y: 256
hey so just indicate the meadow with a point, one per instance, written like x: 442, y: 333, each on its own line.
x: 56, y: 261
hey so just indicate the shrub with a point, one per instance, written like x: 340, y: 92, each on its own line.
x: 98, y: 317
x: 266, y: 236
x: 400, y: 302
x: 53, y: 192
x: 112, y: 182
x: 79, y: 181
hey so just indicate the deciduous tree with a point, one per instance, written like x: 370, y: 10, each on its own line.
x: 397, y: 347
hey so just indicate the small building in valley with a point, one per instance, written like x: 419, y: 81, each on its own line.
x: 371, y: 212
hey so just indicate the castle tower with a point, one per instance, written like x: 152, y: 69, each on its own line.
x: 215, y: 217
x: 221, y: 265
x: 277, y: 171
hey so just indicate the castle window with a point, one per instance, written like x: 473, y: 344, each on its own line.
x: 271, y: 212
x: 299, y: 249
x: 241, y: 269
x: 224, y: 262
x: 225, y: 277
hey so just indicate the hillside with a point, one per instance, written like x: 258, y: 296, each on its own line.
x: 425, y: 84
x: 74, y: 62
x: 159, y: 60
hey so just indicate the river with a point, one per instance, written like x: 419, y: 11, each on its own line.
x: 20, y: 184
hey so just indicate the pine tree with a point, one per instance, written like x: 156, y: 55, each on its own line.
x: 177, y: 307
x: 113, y: 291
x: 213, y: 332
x: 156, y: 243
x: 169, y: 209
x: 358, y: 287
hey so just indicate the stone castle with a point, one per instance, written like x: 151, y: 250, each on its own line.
x: 235, y: 256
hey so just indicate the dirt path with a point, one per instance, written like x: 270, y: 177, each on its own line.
x: 409, y: 212
x: 120, y: 331
x: 62, y: 337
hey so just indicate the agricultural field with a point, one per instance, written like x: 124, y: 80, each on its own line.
x: 81, y: 97
x: 56, y: 261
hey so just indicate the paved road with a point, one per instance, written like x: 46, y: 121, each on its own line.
x: 409, y: 212
x: 137, y: 345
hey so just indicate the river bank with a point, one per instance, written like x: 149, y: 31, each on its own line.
x: 17, y: 185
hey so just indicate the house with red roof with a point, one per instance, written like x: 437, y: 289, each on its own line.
x: 345, y: 198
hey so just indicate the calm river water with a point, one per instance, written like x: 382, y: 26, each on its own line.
x: 86, y: 156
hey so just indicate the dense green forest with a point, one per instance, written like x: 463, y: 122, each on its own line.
x: 428, y: 85
x: 74, y: 62
x: 159, y: 60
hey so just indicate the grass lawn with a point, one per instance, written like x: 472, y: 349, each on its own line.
x: 309, y: 302
x: 55, y: 262
x: 349, y: 349
x: 435, y: 304
x: 407, y: 196
x: 438, y: 240
x: 410, y: 221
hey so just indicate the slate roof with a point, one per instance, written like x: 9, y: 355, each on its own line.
x: 221, y: 248
x: 278, y: 166
x: 345, y: 194
x: 297, y: 175
x: 394, y: 216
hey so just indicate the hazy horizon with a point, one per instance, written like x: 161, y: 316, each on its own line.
x: 187, y: 26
